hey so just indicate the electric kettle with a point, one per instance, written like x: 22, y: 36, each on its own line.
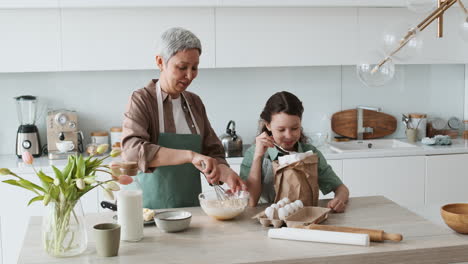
x: 232, y: 143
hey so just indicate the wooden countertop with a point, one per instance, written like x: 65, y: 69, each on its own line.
x: 245, y: 241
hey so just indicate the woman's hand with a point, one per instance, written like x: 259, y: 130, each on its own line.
x: 262, y: 143
x: 207, y: 166
x: 231, y: 178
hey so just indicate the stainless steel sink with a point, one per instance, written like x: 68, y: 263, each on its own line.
x: 370, y: 145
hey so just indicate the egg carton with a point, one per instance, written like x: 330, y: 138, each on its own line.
x: 304, y: 216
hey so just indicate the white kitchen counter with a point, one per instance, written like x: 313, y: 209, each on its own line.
x: 458, y: 146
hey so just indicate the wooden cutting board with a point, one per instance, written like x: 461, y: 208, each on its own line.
x: 344, y: 123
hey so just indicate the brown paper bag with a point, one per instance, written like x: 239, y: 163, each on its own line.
x: 297, y: 181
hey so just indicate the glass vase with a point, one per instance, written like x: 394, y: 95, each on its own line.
x: 64, y: 229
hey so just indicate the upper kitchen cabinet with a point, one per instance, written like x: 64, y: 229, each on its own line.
x: 263, y: 37
x: 375, y: 24
x: 120, y: 39
x: 29, y: 3
x: 309, y: 3
x: 136, y: 3
x: 30, y: 40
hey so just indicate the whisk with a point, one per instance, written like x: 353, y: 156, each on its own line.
x: 220, y: 192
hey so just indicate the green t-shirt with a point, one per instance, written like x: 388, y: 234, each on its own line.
x: 327, y: 179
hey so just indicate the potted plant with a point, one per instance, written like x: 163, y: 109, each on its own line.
x: 63, y: 227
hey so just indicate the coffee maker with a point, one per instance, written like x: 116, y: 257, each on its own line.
x: 27, y: 137
x: 62, y: 126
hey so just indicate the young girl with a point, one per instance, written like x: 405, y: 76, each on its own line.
x: 282, y: 124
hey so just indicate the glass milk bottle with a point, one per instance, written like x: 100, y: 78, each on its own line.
x: 130, y: 211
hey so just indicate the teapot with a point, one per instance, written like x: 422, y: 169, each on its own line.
x: 232, y: 143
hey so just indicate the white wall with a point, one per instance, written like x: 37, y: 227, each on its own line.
x: 237, y: 94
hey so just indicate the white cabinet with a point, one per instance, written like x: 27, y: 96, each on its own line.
x: 121, y: 39
x: 446, y: 179
x: 1, y: 248
x: 30, y: 40
x: 15, y: 214
x: 29, y: 3
x: 264, y: 37
x: 400, y: 179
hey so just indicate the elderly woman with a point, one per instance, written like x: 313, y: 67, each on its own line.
x: 166, y: 130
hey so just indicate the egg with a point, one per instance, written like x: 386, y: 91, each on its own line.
x: 286, y: 200
x: 294, y: 206
x: 289, y: 209
x: 299, y: 203
x: 281, y: 203
x: 282, y: 213
x: 275, y: 206
x: 269, y: 212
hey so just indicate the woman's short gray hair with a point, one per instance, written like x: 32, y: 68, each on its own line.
x: 177, y: 39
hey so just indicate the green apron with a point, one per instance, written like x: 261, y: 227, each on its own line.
x: 177, y: 185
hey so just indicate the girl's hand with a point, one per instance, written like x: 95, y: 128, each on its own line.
x: 337, y: 205
x: 262, y: 143
x: 207, y: 166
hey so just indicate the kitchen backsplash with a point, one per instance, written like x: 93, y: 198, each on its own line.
x: 237, y: 94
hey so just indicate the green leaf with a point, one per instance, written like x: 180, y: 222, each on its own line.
x: 13, y: 182
x: 80, y: 167
x: 69, y: 166
x: 58, y: 174
x: 30, y: 186
x: 54, y: 192
x: 71, y: 171
x: 45, y: 180
x: 44, y: 177
x: 70, y: 193
x: 35, y: 199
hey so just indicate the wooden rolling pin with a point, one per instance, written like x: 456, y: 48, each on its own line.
x: 375, y: 235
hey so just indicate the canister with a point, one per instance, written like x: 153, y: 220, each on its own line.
x: 418, y: 122
x: 465, y: 129
x: 116, y: 135
x: 100, y: 137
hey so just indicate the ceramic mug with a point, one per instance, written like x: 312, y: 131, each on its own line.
x: 65, y: 146
x: 107, y: 237
x: 411, y: 134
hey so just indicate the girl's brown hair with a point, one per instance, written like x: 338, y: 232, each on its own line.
x: 281, y: 102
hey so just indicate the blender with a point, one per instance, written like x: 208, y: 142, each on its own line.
x: 27, y: 138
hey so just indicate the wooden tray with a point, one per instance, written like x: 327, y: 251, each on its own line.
x: 304, y: 216
x: 344, y: 123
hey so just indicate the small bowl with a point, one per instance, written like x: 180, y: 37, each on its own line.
x: 224, y: 209
x: 173, y: 221
x: 456, y: 216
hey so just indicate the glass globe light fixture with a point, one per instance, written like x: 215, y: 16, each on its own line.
x: 463, y: 29
x: 403, y: 44
x: 421, y: 6
x: 373, y: 75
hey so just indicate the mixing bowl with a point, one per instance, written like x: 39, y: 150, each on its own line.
x: 456, y: 216
x: 223, y: 209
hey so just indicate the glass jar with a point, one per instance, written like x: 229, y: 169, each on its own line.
x: 465, y: 129
x: 115, y: 135
x: 418, y: 122
x: 64, y: 229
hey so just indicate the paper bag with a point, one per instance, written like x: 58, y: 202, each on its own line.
x: 297, y: 181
